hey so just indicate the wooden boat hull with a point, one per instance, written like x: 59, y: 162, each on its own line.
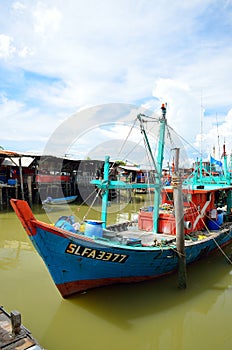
x: 77, y: 263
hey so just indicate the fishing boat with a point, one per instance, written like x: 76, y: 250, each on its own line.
x: 59, y: 201
x: 133, y: 251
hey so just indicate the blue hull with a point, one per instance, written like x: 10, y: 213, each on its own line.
x: 77, y: 263
x: 59, y: 201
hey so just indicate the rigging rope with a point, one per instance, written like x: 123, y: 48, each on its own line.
x: 132, y: 127
x: 91, y: 205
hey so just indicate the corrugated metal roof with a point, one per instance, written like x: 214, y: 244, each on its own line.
x: 25, y: 161
x: 8, y: 153
x: 135, y: 168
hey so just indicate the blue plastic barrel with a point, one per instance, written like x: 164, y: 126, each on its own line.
x: 216, y: 223
x: 213, y: 225
x: 93, y: 228
x: 220, y: 218
x: 12, y: 182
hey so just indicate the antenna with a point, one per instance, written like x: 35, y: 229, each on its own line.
x: 219, y: 151
x: 201, y: 125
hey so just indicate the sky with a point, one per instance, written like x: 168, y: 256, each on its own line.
x: 59, y: 58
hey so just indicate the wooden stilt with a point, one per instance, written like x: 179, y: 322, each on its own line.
x: 1, y: 201
x: 21, y: 178
x: 29, y: 186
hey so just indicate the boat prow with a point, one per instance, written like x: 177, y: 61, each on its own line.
x: 25, y: 215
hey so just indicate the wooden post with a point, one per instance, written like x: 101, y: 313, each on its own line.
x: 21, y: 178
x: 29, y: 186
x: 7, y: 197
x: 15, y: 322
x: 16, y: 189
x: 1, y: 200
x: 179, y: 216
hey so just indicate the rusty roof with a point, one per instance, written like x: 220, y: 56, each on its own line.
x: 3, y: 152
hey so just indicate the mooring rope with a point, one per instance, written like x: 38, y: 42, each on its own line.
x: 222, y: 251
x: 216, y: 243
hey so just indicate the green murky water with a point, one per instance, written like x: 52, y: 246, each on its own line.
x: 147, y: 316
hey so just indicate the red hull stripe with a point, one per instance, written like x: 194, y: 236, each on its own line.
x: 69, y: 288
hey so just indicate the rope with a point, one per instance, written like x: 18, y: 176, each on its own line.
x: 91, y: 205
x: 176, y: 181
x: 132, y: 127
x: 222, y: 251
x: 216, y: 243
x: 176, y: 251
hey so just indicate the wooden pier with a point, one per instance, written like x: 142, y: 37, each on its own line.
x: 13, y: 335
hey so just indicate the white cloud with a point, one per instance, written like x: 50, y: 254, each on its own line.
x: 183, y: 108
x: 46, y: 19
x: 62, y: 56
x: 25, y: 51
x: 20, y: 124
x: 186, y: 114
x: 18, y: 6
x: 217, y: 135
x: 6, y: 46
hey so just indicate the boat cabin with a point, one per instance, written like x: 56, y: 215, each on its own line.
x: 200, y: 211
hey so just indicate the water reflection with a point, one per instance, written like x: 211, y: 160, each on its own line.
x: 153, y: 314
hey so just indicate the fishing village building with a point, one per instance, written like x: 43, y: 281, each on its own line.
x: 36, y: 177
x: 32, y: 177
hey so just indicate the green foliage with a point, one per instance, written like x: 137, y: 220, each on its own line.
x: 120, y: 162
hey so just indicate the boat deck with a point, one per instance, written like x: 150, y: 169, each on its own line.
x: 126, y: 233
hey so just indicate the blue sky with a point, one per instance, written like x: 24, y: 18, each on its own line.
x: 58, y: 57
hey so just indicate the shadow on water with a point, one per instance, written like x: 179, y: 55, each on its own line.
x: 121, y: 305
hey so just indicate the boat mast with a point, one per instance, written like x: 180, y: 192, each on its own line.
x: 201, y: 138
x: 159, y: 161
x: 160, y: 157
x: 105, y: 192
x: 225, y: 167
